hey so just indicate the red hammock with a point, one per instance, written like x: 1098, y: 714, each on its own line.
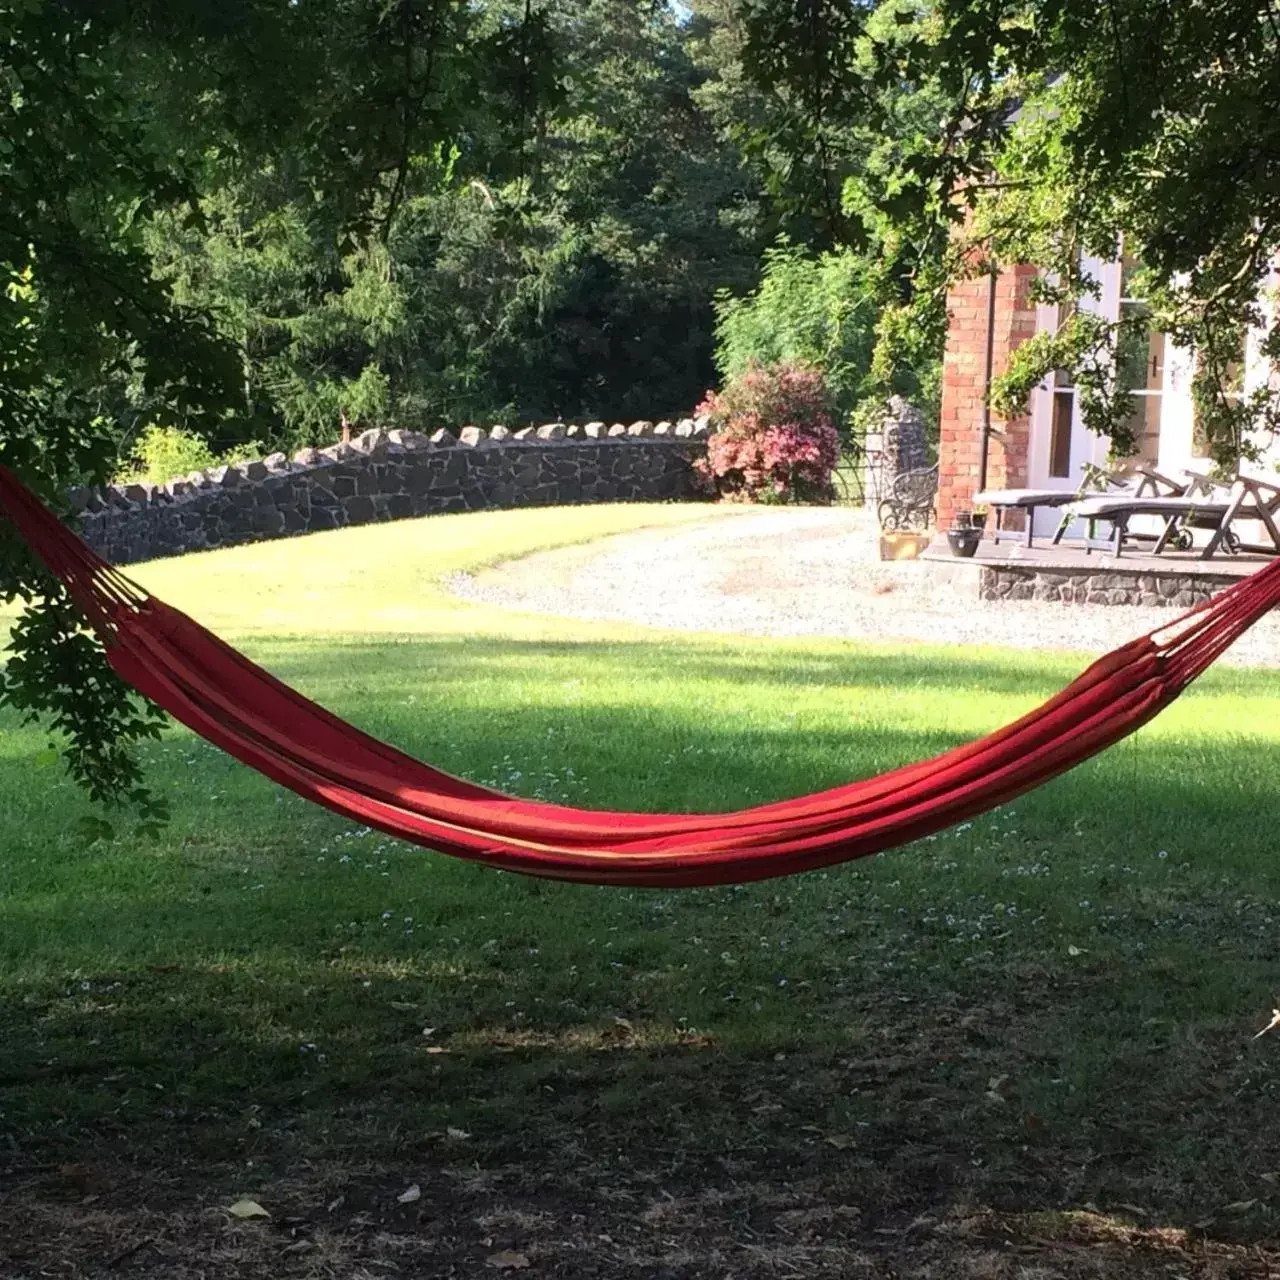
x: 247, y: 712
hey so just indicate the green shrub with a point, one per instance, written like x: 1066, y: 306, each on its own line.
x: 161, y: 453
x: 816, y: 312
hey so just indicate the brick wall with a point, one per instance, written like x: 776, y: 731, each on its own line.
x: 963, y: 375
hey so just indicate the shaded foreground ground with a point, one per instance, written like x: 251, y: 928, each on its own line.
x: 1022, y: 1050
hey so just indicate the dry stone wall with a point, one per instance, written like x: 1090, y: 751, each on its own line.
x: 393, y: 475
x: 1167, y: 587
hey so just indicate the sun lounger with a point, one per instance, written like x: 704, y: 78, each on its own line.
x: 1135, y: 482
x: 1206, y: 504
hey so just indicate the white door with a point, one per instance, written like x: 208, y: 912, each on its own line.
x: 1060, y: 444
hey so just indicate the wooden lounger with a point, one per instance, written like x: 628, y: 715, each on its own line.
x: 1128, y: 482
x: 1206, y: 505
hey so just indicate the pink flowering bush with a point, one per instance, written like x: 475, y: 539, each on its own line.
x: 772, y: 438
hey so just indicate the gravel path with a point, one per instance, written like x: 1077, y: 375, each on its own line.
x: 802, y: 572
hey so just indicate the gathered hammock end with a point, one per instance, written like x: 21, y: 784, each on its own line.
x: 219, y: 694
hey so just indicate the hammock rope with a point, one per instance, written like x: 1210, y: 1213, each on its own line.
x: 241, y: 708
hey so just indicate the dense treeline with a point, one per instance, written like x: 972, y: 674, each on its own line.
x: 560, y: 256
x: 570, y: 252
x: 599, y: 215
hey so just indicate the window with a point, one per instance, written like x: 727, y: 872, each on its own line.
x: 1140, y: 365
x: 1232, y: 393
x: 1064, y: 405
x: 1140, y: 362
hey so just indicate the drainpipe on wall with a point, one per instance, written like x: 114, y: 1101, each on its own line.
x: 986, y: 381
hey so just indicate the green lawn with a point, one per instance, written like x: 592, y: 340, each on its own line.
x: 1012, y: 1041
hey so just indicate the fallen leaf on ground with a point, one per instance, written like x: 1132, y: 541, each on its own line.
x: 247, y: 1209
x: 410, y: 1194
x: 841, y: 1141
x: 1075, y: 951
x: 1239, y: 1206
x: 460, y: 1135
x: 508, y: 1261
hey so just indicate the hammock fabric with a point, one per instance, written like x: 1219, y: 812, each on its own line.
x: 246, y: 711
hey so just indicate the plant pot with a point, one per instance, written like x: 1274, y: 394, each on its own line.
x: 963, y: 542
x: 902, y: 545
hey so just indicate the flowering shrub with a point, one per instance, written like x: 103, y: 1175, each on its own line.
x: 772, y: 437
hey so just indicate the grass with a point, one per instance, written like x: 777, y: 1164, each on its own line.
x: 1024, y: 1043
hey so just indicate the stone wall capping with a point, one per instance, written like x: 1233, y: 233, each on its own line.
x: 253, y: 470
x: 685, y: 428
x: 552, y: 431
x: 407, y: 439
x: 642, y: 428
x: 373, y: 443
x: 307, y: 457
x: 525, y: 433
x: 443, y: 439
x: 498, y: 433
x: 702, y: 425
x: 618, y: 429
x: 573, y: 431
x: 473, y: 437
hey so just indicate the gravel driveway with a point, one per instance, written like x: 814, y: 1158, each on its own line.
x: 802, y: 572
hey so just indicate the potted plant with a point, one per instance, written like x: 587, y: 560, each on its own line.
x: 964, y: 536
x: 979, y: 517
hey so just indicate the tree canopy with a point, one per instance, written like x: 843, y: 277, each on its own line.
x: 1065, y: 129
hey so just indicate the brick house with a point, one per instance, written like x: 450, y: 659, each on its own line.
x: 1046, y: 447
